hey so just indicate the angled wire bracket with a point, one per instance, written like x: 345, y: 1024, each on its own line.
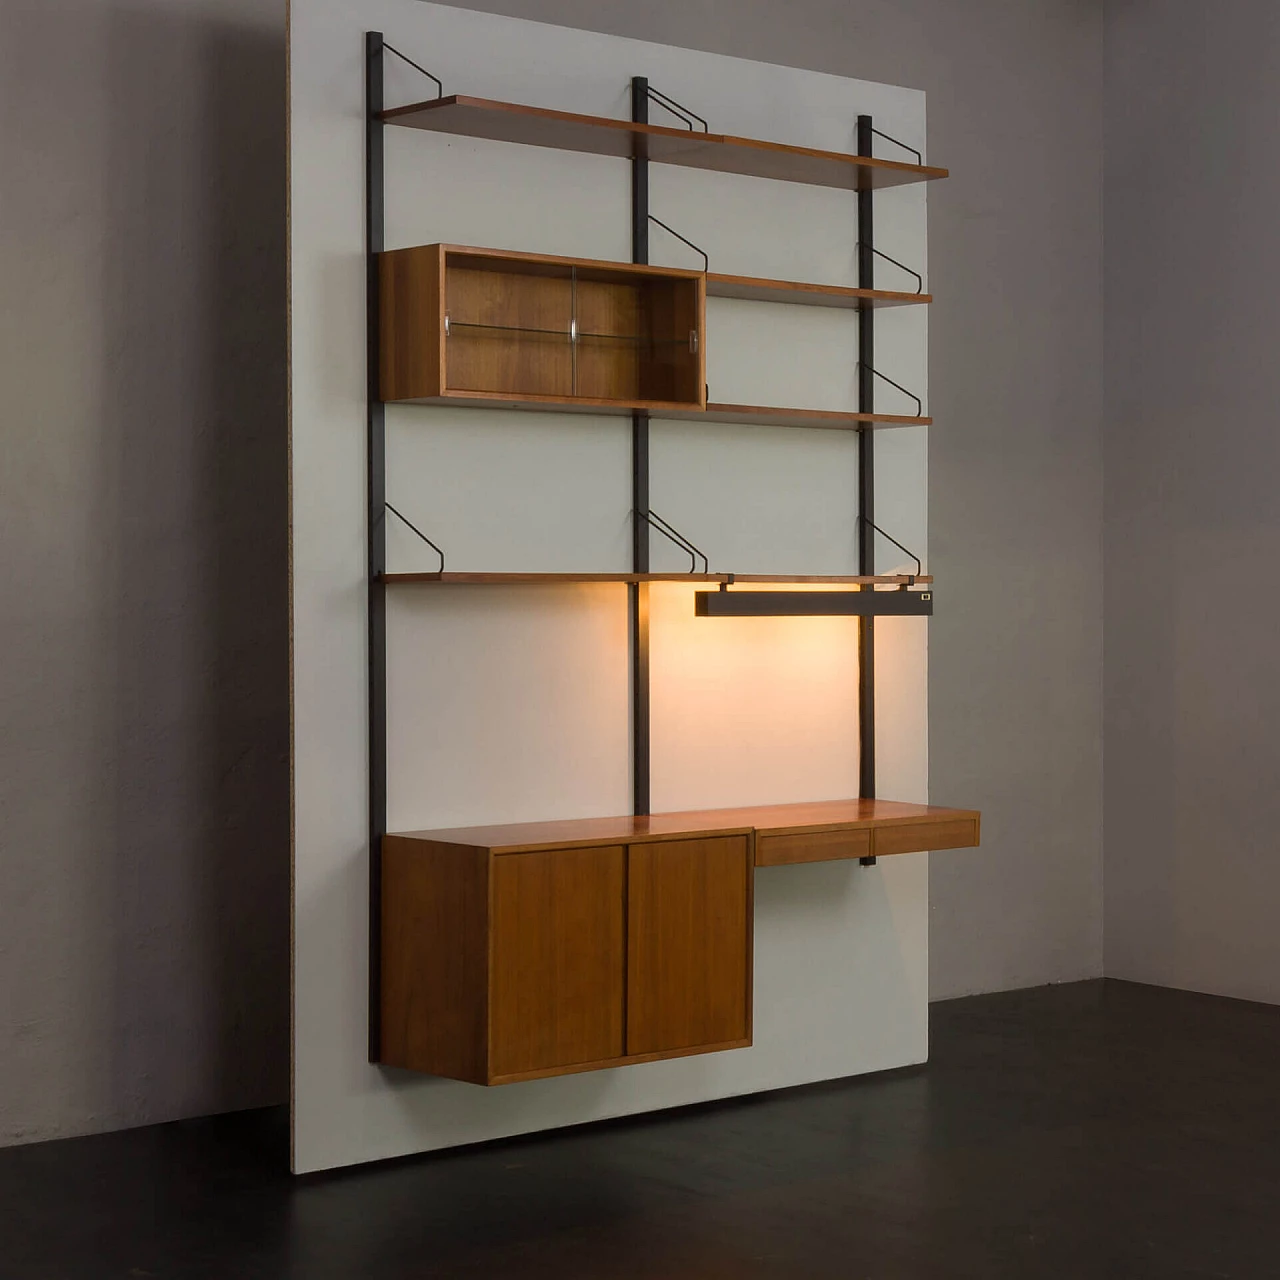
x: 439, y: 84
x: 919, y: 279
x: 884, y: 377
x: 405, y: 519
x: 672, y: 534
x: 919, y: 566
x: 706, y: 262
x: 676, y: 109
x: 896, y: 143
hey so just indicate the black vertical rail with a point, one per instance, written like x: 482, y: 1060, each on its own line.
x: 377, y: 494
x: 866, y: 481
x: 638, y: 592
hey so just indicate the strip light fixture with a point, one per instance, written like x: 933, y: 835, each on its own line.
x: 899, y: 603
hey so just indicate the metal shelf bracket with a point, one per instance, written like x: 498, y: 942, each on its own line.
x: 678, y: 110
x: 405, y: 520
x: 672, y: 534
x: 884, y: 377
x: 439, y: 84
x: 706, y: 261
x: 902, y: 266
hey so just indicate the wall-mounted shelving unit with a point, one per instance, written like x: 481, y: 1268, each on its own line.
x: 509, y: 953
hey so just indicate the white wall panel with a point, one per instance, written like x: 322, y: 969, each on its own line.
x: 511, y: 704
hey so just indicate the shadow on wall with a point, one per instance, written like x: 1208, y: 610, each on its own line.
x: 194, y: 402
x: 151, y: 483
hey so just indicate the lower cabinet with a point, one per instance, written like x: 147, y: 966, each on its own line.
x: 511, y: 952
x: 505, y: 967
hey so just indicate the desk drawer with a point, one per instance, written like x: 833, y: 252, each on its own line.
x: 812, y: 846
x: 917, y: 837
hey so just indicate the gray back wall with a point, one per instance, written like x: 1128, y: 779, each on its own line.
x: 1193, y: 495
x: 143, y: 730
x: 144, y: 827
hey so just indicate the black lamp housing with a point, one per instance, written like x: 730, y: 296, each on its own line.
x: 900, y: 603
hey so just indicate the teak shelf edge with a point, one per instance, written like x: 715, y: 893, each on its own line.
x: 744, y: 414
x: 603, y: 135
x: 760, y: 820
x: 803, y: 293
x: 779, y: 416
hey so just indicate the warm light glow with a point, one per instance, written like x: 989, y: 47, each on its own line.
x: 763, y: 710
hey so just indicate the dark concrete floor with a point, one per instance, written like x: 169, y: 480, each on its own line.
x: 1092, y: 1130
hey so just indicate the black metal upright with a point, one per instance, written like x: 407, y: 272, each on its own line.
x: 638, y: 592
x: 377, y: 495
x: 866, y: 482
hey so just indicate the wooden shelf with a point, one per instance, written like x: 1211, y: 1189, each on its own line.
x: 478, y: 579
x: 771, y: 416
x: 755, y: 289
x: 601, y: 135
x: 927, y: 822
x: 747, y: 414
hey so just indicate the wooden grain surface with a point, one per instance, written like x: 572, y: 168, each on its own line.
x: 766, y: 415
x: 411, y: 316
x: 601, y: 135
x: 511, y: 324
x: 745, y: 414
x: 813, y: 846
x: 628, y: 829
x: 610, y: 314
x: 956, y: 833
x: 435, y: 958
x: 508, y: 332
x: 627, y: 1060
x: 535, y: 949
x: 673, y: 360
x: 593, y: 405
x: 688, y: 944
x: 799, y: 293
x: 559, y: 953
x: 463, y: 255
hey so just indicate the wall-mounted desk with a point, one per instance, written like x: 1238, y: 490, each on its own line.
x: 538, y: 949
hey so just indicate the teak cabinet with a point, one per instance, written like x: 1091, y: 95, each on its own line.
x: 506, y: 967
x: 475, y: 325
x: 514, y: 952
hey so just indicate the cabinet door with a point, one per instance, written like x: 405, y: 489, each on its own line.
x: 558, y: 931
x: 688, y: 944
